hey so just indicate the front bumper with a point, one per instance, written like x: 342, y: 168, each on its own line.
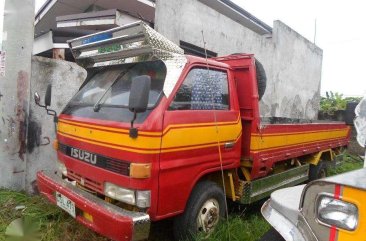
x: 282, y: 212
x: 288, y: 230
x: 107, y: 219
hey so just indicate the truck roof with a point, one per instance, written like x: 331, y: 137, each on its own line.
x: 210, y: 61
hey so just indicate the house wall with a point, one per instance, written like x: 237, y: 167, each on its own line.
x: 292, y: 63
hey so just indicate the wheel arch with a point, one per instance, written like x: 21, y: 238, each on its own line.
x: 209, y: 175
x: 316, y: 158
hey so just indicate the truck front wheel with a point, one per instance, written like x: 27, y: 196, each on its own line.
x: 204, y: 209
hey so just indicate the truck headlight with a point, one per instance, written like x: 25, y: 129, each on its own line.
x: 338, y: 213
x: 143, y: 199
x: 61, y: 168
x: 122, y: 194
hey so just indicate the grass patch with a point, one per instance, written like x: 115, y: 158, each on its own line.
x: 349, y: 163
x: 56, y: 225
x: 238, y: 228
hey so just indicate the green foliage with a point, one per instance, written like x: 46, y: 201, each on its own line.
x: 245, y: 227
x: 349, y: 163
x: 335, y: 101
x: 55, y: 224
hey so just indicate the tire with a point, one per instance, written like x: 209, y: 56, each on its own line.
x: 318, y: 171
x: 261, y: 78
x: 204, y: 209
x: 272, y: 235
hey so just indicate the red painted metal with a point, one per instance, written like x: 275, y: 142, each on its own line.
x: 333, y: 229
x: 175, y: 173
x: 105, y: 222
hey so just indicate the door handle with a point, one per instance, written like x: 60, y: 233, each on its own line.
x: 229, y: 145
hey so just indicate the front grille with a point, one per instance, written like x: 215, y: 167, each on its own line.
x: 110, y: 164
x: 85, y: 182
x: 117, y: 166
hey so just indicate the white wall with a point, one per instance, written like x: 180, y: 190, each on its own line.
x: 292, y: 63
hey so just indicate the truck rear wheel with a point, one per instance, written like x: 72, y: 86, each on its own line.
x: 204, y: 209
x: 318, y: 171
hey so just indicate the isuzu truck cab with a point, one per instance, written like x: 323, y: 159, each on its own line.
x: 154, y: 134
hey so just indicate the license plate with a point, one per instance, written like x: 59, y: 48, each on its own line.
x: 66, y: 204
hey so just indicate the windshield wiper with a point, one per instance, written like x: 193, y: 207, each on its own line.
x: 98, y: 104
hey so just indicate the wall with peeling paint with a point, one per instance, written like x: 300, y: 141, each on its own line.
x: 292, y: 63
x: 14, y: 91
x: 66, y: 78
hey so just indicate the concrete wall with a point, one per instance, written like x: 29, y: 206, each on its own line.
x: 66, y: 78
x: 14, y: 90
x: 292, y: 63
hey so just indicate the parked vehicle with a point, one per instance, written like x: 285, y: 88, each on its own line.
x: 330, y: 209
x: 154, y: 134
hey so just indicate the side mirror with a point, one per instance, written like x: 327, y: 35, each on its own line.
x: 139, y: 98
x: 139, y: 93
x: 37, y: 98
x: 47, y: 97
x: 47, y: 102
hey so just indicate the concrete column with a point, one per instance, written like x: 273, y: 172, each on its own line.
x: 18, y: 34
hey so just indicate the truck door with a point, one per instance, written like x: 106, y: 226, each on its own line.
x: 202, y: 115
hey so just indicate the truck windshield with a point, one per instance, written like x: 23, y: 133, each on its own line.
x: 115, y: 82
x: 109, y: 88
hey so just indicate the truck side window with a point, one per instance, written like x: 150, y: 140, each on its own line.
x: 202, y: 90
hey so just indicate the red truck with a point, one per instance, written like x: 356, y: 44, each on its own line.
x: 154, y: 134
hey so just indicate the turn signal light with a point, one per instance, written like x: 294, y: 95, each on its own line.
x: 140, y: 170
x: 88, y: 216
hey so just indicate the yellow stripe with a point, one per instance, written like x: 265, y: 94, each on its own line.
x: 200, y: 135
x: 145, y: 151
x: 120, y: 130
x: 150, y: 133
x: 272, y: 142
x: 106, y: 145
x: 113, y: 138
x: 186, y: 137
x: 193, y: 125
x: 299, y: 132
x: 357, y: 197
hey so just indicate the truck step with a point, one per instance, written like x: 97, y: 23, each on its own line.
x: 262, y: 188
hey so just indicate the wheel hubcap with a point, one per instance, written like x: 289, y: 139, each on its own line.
x: 208, y: 216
